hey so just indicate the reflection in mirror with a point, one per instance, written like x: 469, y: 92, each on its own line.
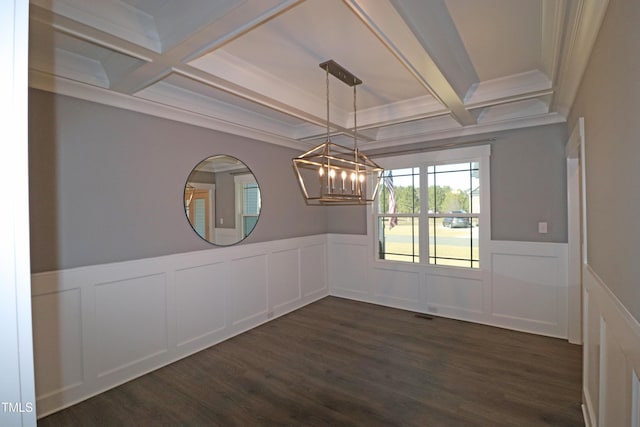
x: 222, y: 200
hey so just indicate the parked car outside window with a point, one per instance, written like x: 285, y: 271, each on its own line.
x: 456, y: 222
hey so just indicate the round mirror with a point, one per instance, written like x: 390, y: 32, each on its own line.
x: 222, y: 200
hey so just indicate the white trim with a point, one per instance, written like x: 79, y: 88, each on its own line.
x: 527, y: 85
x: 49, y: 83
x: 587, y: 17
x: 240, y: 181
x: 391, y: 161
x: 635, y: 400
x: 611, y: 355
x: 577, y: 231
x: 16, y: 356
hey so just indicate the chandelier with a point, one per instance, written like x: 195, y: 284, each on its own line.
x: 332, y: 173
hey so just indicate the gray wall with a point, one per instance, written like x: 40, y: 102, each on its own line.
x: 106, y: 184
x: 347, y: 219
x: 528, y: 185
x: 609, y: 100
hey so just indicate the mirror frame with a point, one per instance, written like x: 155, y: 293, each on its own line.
x: 236, y: 168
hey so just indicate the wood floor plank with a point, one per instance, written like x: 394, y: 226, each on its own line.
x: 344, y: 363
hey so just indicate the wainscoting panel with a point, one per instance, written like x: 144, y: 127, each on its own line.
x: 591, y: 357
x: 313, y: 270
x: 96, y: 327
x: 284, y: 281
x: 134, y: 312
x: 611, y: 357
x: 453, y: 296
x: 59, y: 325
x: 522, y: 287
x: 348, y: 266
x: 529, y: 287
x: 57, y: 318
x: 249, y: 290
x: 200, y: 296
x: 397, y: 287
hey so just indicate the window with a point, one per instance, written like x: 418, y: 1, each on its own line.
x: 250, y: 207
x: 430, y: 208
x: 399, y: 215
x: 248, y: 203
x: 454, y: 201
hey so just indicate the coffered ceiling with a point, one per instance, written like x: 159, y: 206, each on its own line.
x: 430, y: 68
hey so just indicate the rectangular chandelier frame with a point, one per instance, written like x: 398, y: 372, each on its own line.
x: 331, y: 174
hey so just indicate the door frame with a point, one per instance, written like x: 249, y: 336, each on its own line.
x: 16, y: 353
x: 577, y: 228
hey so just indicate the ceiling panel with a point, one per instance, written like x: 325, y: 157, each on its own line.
x: 291, y: 46
x: 429, y: 68
x: 502, y: 37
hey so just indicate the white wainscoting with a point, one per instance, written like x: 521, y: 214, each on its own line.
x: 611, y: 361
x: 523, y: 287
x: 99, y: 326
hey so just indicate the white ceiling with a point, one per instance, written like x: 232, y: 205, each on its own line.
x: 430, y: 68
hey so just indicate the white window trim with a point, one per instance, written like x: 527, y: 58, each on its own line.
x: 240, y: 181
x: 480, y: 154
x: 211, y: 189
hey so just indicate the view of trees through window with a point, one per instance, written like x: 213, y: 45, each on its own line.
x: 450, y: 217
x: 443, y: 199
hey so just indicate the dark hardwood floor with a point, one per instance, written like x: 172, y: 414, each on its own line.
x: 343, y: 363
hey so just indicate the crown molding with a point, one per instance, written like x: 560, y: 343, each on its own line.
x: 421, y: 133
x: 482, y: 128
x: 187, y: 100
x: 62, y: 86
x: 553, y: 18
x: 587, y: 17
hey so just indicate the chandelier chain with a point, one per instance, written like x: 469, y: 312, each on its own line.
x: 355, y: 121
x: 327, y: 87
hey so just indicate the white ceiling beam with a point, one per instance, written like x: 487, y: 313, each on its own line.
x: 529, y: 84
x: 385, y: 22
x: 208, y: 39
x: 199, y: 43
x: 205, y: 40
x: 436, y: 31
